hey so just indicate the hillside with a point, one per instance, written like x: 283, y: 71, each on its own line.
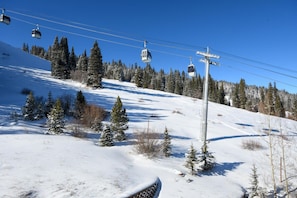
x: 65, y: 166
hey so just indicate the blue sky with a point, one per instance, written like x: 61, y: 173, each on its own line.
x: 256, y: 39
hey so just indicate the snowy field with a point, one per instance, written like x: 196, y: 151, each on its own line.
x: 36, y: 165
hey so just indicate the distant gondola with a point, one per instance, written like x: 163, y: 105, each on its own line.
x: 146, y: 55
x: 36, y: 33
x: 4, y: 18
x: 191, y: 69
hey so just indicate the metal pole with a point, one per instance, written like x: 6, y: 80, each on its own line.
x: 205, y: 104
x: 207, y: 61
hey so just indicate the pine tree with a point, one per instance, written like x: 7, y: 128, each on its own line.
x: 221, y: 94
x: 106, y: 138
x: 79, y: 105
x: 205, y: 159
x: 72, y: 60
x: 235, y: 97
x: 166, y: 146
x: 25, y: 47
x: 39, y: 112
x: 82, y: 63
x: 242, y: 95
x: 139, y: 77
x: 170, y: 82
x: 49, y: 104
x: 64, y: 58
x: 95, y: 67
x: 255, y: 189
x: 119, y: 120
x: 55, y: 119
x: 191, y: 159
x: 269, y: 104
x: 29, y: 108
x: 55, y: 58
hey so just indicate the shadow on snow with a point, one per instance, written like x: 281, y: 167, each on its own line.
x: 222, y: 169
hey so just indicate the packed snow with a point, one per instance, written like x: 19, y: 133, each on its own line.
x: 33, y: 164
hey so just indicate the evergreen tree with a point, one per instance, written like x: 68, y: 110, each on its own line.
x: 170, y: 82
x: 55, y: 119
x: 49, y: 103
x: 139, y: 77
x: 269, y: 104
x: 106, y: 138
x: 82, y: 63
x: 79, y: 105
x: 295, y: 109
x: 191, y: 159
x: 64, y: 62
x: 255, y: 189
x: 221, y: 94
x: 178, y: 86
x: 29, y: 108
x: 95, y: 67
x: 72, y: 60
x: 25, y: 47
x: 166, y: 146
x: 205, y: 159
x: 39, y: 112
x: 242, y: 94
x: 119, y: 120
x: 97, y: 125
x: 235, y: 97
x: 279, y: 107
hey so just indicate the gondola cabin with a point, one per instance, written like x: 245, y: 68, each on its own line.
x: 191, y: 70
x: 36, y: 33
x: 4, y: 19
x: 146, y: 56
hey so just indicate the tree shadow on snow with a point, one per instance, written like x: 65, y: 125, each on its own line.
x: 134, y: 90
x: 245, y: 125
x: 233, y: 136
x: 222, y: 169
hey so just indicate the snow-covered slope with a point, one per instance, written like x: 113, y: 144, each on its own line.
x: 65, y: 166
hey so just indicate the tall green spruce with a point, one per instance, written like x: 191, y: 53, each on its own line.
x: 119, y: 120
x: 106, y: 138
x: 55, y: 119
x: 166, y: 145
x: 79, y: 105
x: 95, y: 67
x: 59, y: 57
x: 255, y: 191
x: 191, y: 160
x: 29, y: 108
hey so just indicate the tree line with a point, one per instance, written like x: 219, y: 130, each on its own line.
x: 91, y: 69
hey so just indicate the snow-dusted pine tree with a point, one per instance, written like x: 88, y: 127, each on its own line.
x: 191, y: 159
x: 95, y: 67
x: 256, y: 191
x: 166, y: 145
x: 79, y: 105
x: 49, y: 103
x: 119, y: 120
x: 39, y: 112
x: 29, y: 108
x: 55, y: 119
x: 106, y: 138
x: 205, y: 159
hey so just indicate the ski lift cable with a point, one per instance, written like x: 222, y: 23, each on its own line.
x: 92, y: 37
x: 255, y: 61
x: 77, y: 34
x: 137, y: 40
x: 265, y: 69
x: 102, y: 32
x: 76, y: 26
x: 261, y: 76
